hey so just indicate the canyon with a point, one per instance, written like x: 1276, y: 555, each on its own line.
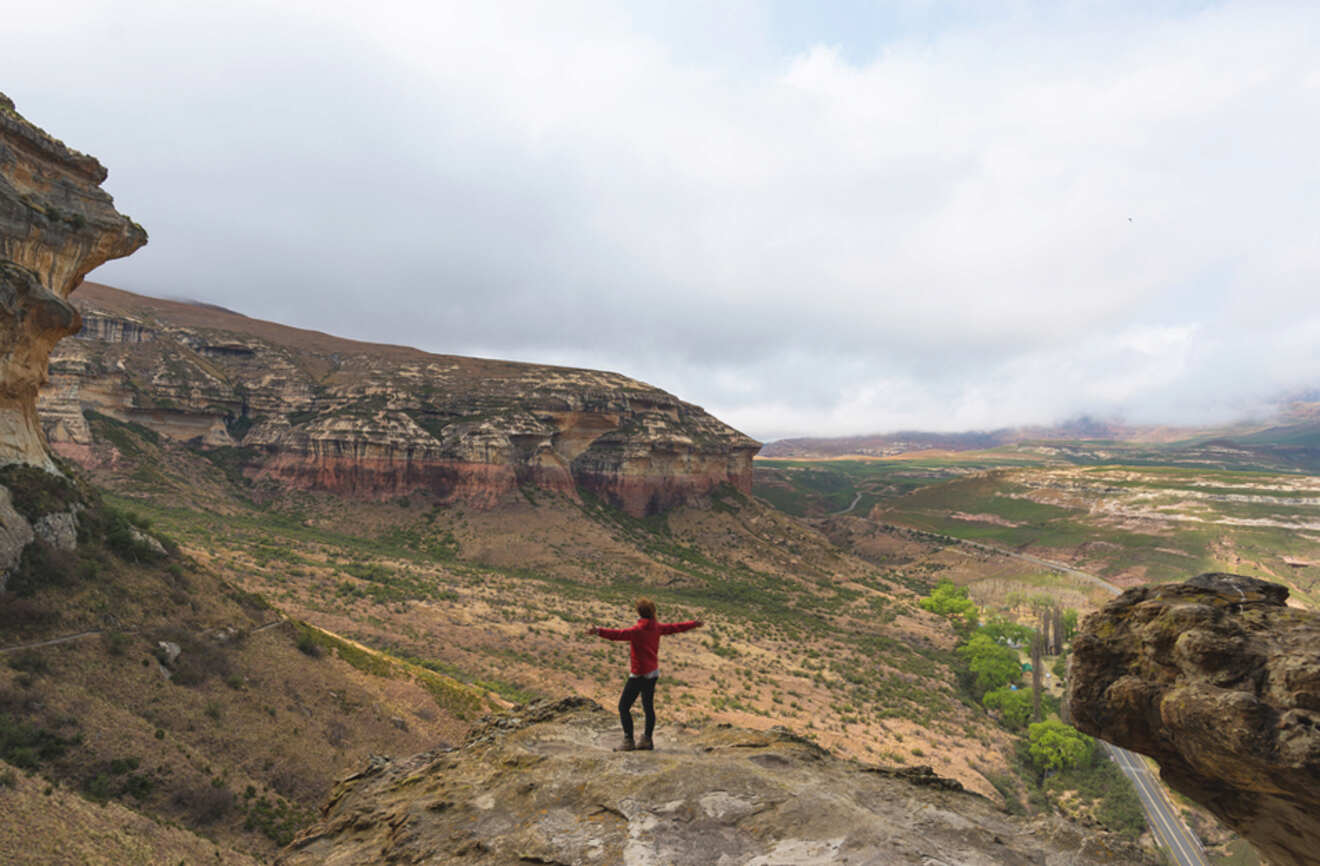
x: 377, y: 615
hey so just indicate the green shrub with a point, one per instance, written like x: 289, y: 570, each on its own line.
x: 206, y: 804
x: 275, y: 819
x: 120, y: 766
x: 36, y: 492
x: 139, y: 785
x: 41, y: 566
x: 307, y: 645
x: 26, y: 745
x: 17, y: 613
x: 115, y: 642
x: 98, y: 788
x: 30, y: 662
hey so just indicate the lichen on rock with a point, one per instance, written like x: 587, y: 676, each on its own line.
x: 1218, y: 680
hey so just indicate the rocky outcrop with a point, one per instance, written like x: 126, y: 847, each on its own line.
x: 56, y: 224
x: 1218, y: 680
x: 540, y: 785
x: 310, y: 411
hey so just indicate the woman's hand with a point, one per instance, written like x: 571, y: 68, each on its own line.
x: 700, y: 623
x: 591, y: 631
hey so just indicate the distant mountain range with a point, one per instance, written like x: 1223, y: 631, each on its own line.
x: 1297, y: 425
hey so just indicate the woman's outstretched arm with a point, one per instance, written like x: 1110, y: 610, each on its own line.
x: 613, y: 633
x: 676, y: 627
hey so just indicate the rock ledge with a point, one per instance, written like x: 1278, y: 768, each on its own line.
x: 539, y: 784
x: 1218, y: 680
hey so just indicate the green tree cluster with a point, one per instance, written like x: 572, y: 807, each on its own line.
x: 1005, y: 631
x: 1013, y: 705
x: 991, y: 664
x: 1054, y: 745
x: 950, y: 600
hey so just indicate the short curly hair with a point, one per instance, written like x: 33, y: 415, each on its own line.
x: 645, y: 608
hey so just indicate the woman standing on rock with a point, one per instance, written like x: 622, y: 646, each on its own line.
x: 644, y: 637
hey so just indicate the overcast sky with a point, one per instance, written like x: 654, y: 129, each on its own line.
x: 808, y: 220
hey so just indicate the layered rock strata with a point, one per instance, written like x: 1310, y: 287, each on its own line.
x: 310, y: 411
x: 540, y: 785
x: 1218, y: 680
x: 56, y: 225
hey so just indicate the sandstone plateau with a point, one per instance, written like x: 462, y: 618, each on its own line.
x: 56, y: 224
x: 310, y: 411
x: 1218, y: 680
x: 540, y: 785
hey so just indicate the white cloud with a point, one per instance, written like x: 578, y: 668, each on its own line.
x: 1002, y: 219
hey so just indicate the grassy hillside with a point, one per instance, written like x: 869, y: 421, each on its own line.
x: 141, y: 676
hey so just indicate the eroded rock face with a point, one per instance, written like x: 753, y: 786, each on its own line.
x: 540, y: 785
x: 1218, y: 680
x: 315, y: 412
x: 56, y: 224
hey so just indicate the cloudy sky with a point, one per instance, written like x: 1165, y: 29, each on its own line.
x: 808, y: 218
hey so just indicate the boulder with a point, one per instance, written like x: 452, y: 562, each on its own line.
x: 15, y: 534
x: 1218, y: 680
x: 59, y: 529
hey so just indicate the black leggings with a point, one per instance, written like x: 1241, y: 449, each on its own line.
x: 644, y: 686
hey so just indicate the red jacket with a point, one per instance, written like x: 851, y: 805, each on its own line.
x: 645, y: 639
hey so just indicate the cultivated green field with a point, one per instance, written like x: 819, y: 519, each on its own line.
x: 1126, y: 522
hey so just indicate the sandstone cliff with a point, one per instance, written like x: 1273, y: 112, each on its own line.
x: 310, y: 411
x: 540, y: 785
x: 1218, y: 680
x: 56, y: 224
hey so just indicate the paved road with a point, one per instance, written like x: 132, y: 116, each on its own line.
x: 856, y: 499
x: 1181, y: 844
x: 1163, y: 819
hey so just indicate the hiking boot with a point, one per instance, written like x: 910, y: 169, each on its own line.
x: 626, y: 746
x: 645, y: 744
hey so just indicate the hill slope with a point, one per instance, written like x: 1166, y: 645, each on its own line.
x: 303, y: 410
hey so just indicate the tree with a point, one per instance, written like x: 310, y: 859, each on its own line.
x: 991, y: 664
x: 1057, y: 633
x: 1069, y: 623
x: 950, y: 600
x: 1036, y: 643
x: 1013, y: 706
x: 1056, y: 746
x: 1006, y: 632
